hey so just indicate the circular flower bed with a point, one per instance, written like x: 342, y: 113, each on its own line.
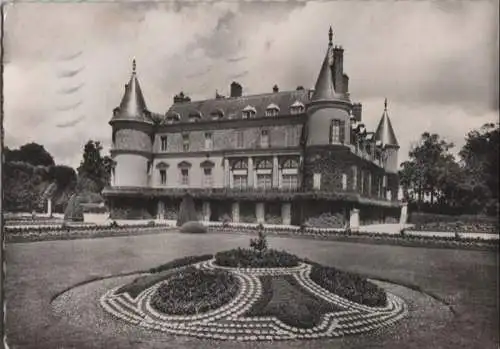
x: 247, y: 258
x: 193, y: 291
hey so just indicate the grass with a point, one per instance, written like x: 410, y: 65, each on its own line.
x: 36, y: 271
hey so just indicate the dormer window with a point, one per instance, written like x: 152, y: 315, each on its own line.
x: 297, y: 108
x: 249, y: 112
x: 194, y: 116
x: 217, y: 114
x: 172, y: 117
x: 272, y: 110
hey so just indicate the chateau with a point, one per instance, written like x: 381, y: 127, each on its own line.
x: 279, y: 157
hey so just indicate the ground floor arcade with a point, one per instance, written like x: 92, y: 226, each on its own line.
x: 327, y: 213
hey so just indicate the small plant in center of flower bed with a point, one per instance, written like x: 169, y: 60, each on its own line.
x: 258, y: 256
x: 193, y: 291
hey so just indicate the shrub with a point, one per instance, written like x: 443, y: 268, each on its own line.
x: 259, y: 245
x: 327, y: 220
x: 246, y: 258
x: 187, y: 211
x: 181, y: 262
x: 193, y: 228
x: 193, y: 291
x: 348, y: 285
x: 74, y: 211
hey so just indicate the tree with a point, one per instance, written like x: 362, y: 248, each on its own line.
x: 32, y: 153
x: 94, y: 172
x: 187, y: 211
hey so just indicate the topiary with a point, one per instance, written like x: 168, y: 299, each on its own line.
x: 74, y: 210
x: 193, y: 228
x: 187, y: 211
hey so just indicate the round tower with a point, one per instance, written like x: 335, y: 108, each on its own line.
x: 328, y: 126
x: 328, y: 110
x: 132, y: 137
x: 386, y: 139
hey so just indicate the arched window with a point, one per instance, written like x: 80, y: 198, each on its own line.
x: 173, y: 117
x: 217, y: 114
x: 248, y: 112
x: 290, y: 163
x: 240, y: 165
x: 194, y: 116
x: 264, y: 164
x: 297, y: 108
x: 272, y: 110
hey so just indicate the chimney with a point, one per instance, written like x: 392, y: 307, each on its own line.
x: 236, y: 89
x: 181, y: 98
x: 276, y: 88
x: 357, y: 109
x: 338, y: 68
x: 300, y: 88
x: 345, y: 83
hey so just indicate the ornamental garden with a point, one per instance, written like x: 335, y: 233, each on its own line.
x: 253, y: 294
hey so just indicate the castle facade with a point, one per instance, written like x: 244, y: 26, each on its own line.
x: 281, y: 157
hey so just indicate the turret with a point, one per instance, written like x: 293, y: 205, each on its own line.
x: 132, y: 137
x: 328, y: 110
x: 385, y: 138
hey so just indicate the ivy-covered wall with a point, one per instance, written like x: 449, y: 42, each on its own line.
x: 332, y: 161
x: 132, y: 208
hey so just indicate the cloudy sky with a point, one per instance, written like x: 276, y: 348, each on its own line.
x: 66, y: 64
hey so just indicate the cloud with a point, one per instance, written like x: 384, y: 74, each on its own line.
x: 435, y: 61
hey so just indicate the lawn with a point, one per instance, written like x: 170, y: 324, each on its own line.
x: 37, y: 271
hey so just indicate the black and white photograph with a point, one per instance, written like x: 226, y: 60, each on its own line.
x: 249, y: 174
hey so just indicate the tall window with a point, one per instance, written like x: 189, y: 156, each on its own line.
x: 317, y: 181
x: 354, y: 177
x: 272, y: 110
x: 163, y: 176
x: 207, y: 178
x: 369, y: 183
x: 337, y: 132
x: 344, y: 181
x: 292, y: 137
x: 239, y: 139
x: 164, y: 143
x: 184, y: 176
x: 240, y: 181
x: 264, y: 139
x: 185, y: 142
x: 208, y: 141
x: 264, y: 174
x: 362, y: 183
x: 290, y: 181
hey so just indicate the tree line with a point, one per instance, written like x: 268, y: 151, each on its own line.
x: 31, y: 176
x: 433, y: 180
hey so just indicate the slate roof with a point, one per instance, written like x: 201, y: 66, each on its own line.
x: 133, y: 106
x: 232, y: 107
x: 324, y: 88
x: 385, y: 133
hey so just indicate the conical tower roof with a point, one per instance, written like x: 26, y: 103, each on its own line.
x: 132, y: 105
x: 324, y: 88
x: 385, y: 133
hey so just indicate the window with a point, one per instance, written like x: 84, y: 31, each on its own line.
x: 240, y: 165
x: 354, y: 177
x: 164, y: 143
x: 290, y: 163
x: 297, y: 108
x: 264, y: 164
x: 389, y: 195
x: 292, y: 137
x: 194, y: 116
x: 362, y: 183
x: 335, y: 133
x: 163, y: 176
x: 185, y: 142
x: 344, y: 181
x: 264, y: 139
x: 249, y: 112
x: 184, y: 176
x: 208, y: 141
x: 369, y: 183
x: 272, y: 110
x: 264, y: 181
x: 317, y: 181
x: 240, y: 181
x: 290, y: 182
x: 207, y: 178
x: 239, y: 139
